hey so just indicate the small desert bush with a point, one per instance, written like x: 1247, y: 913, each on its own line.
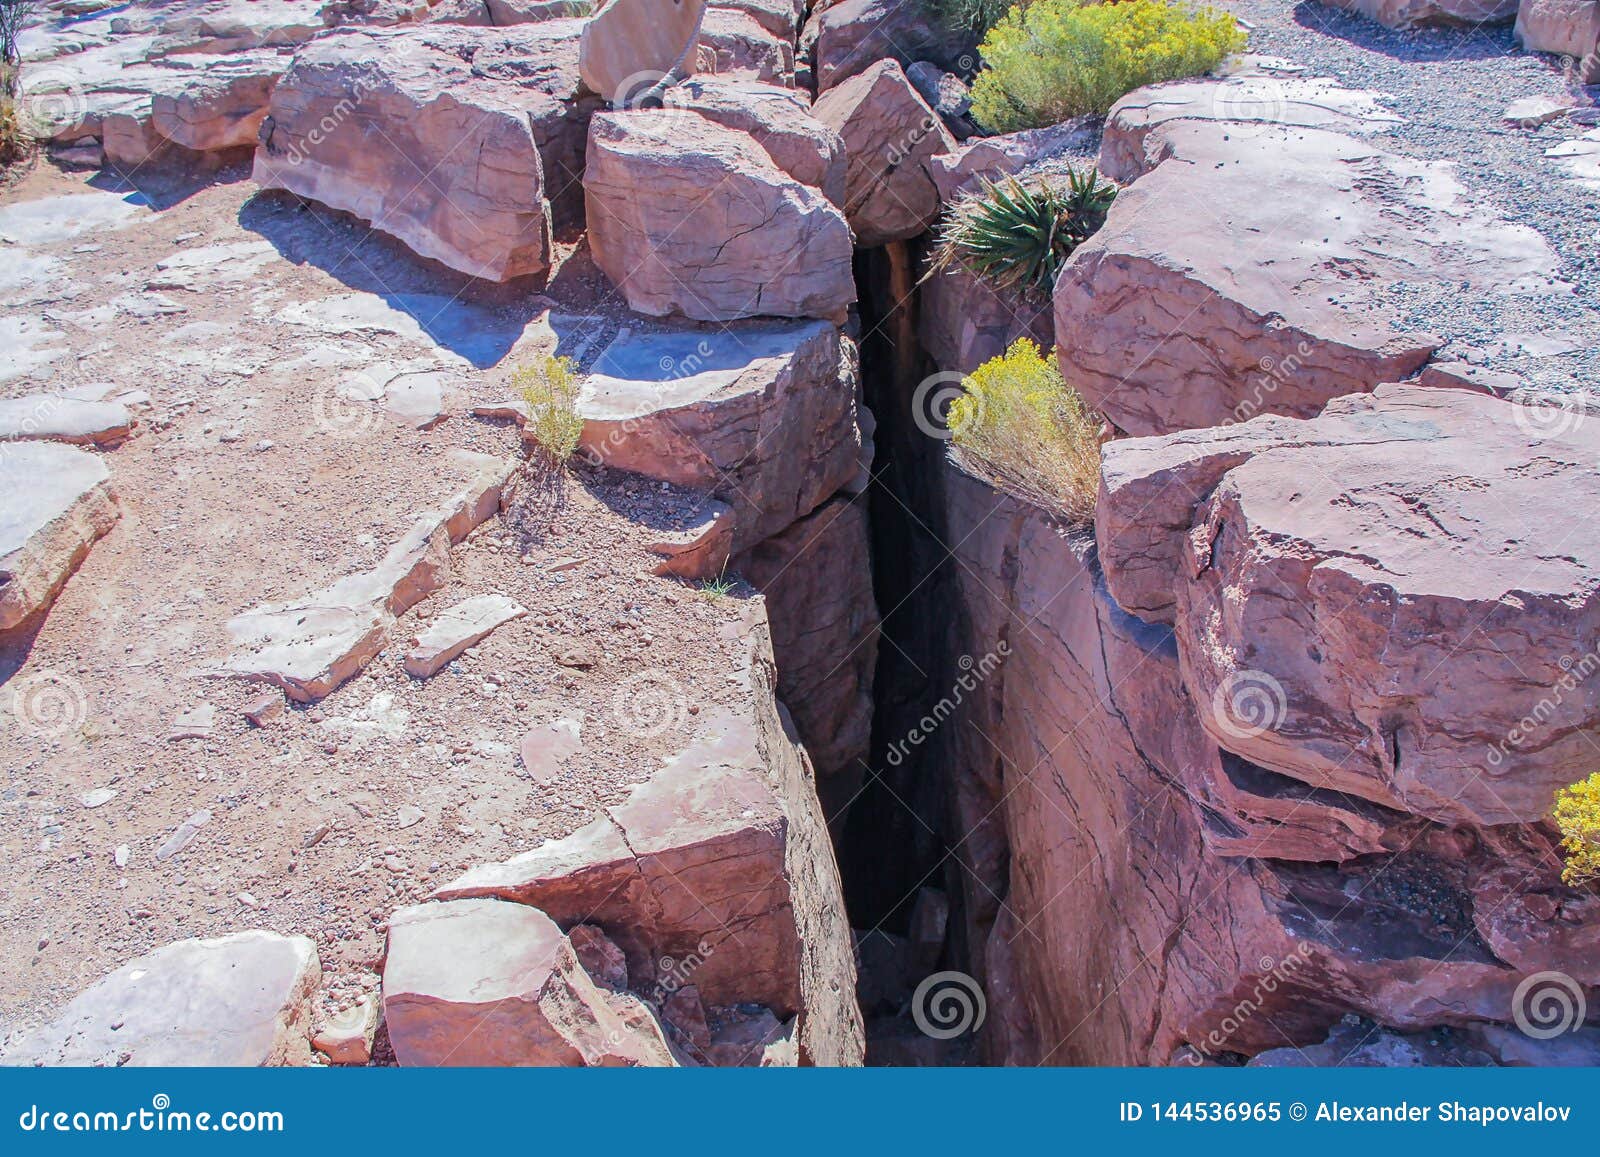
x: 1052, y: 60
x: 549, y: 388
x: 15, y: 143
x: 1017, y: 237
x: 973, y: 16
x: 1577, y: 816
x: 1022, y: 428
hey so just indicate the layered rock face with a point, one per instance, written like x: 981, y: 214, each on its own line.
x: 716, y: 873
x: 1261, y: 331
x: 402, y: 131
x: 723, y: 233
x: 1397, y: 679
x: 1273, y: 746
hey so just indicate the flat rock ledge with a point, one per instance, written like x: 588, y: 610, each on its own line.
x: 242, y: 1000
x: 1375, y: 601
x: 58, y: 504
x: 312, y: 645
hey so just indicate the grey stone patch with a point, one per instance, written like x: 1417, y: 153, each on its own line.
x: 70, y: 215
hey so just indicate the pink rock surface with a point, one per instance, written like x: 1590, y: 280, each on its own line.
x: 482, y: 982
x: 717, y: 871
x: 1105, y: 785
x: 1248, y: 100
x: 818, y: 584
x: 723, y: 233
x: 890, y: 136
x: 1377, y: 572
x: 397, y: 128
x: 776, y: 119
x: 1564, y: 27
x: 242, y: 1000
x: 1166, y: 327
x: 59, y: 505
x: 715, y: 410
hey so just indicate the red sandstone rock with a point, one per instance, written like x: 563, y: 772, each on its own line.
x: 818, y: 584
x: 1239, y: 318
x: 705, y: 242
x: 481, y: 982
x: 777, y: 120
x: 716, y: 872
x: 717, y: 410
x: 396, y: 127
x: 59, y: 504
x: 1565, y: 27
x: 890, y: 137
x: 1250, y: 102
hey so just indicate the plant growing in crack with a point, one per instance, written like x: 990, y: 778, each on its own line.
x: 1018, y: 236
x: 1577, y: 818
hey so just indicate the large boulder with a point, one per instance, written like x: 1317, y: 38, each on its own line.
x: 479, y: 983
x: 1565, y: 27
x: 59, y: 503
x: 717, y: 871
x: 735, y: 46
x: 720, y: 410
x: 1165, y: 323
x: 890, y: 136
x: 777, y: 120
x: 630, y: 47
x: 1430, y: 13
x: 779, y: 17
x: 690, y: 218
x: 853, y: 35
x: 1248, y: 103
x: 437, y: 135
x: 241, y: 1000
x: 1370, y: 601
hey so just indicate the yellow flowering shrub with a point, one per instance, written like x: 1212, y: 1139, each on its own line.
x: 1054, y: 59
x: 1021, y: 427
x: 1577, y: 816
x: 549, y: 389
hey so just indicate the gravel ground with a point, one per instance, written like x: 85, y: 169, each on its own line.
x: 1451, y: 86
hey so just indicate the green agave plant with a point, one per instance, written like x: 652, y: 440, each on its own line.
x: 1017, y: 237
